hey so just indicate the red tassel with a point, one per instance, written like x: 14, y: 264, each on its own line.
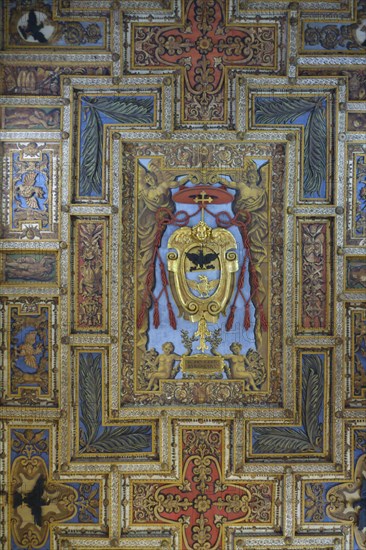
x: 164, y: 279
x: 247, y: 316
x: 241, y: 276
x: 172, y: 320
x: 264, y: 324
x: 156, y: 317
x: 157, y: 239
x: 230, y: 319
x: 149, y: 280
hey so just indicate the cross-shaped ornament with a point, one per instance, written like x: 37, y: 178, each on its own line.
x: 203, y: 199
x: 204, y: 46
x: 202, y: 502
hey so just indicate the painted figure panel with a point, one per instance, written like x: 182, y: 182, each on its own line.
x: 30, y: 193
x: 37, y: 118
x: 30, y: 356
x: 355, y: 269
x: 43, y: 79
x: 29, y: 268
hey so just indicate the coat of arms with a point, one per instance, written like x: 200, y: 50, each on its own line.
x: 190, y: 255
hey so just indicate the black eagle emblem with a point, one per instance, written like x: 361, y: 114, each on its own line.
x: 33, y: 499
x: 33, y: 28
x: 201, y: 260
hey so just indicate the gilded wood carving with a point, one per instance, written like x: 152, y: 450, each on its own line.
x: 182, y: 259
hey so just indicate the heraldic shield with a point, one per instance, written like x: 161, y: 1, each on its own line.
x: 202, y: 270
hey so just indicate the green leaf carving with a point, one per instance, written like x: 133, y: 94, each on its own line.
x: 308, y: 437
x: 99, y: 438
x: 280, y: 440
x: 282, y: 110
x: 92, y: 149
x: 279, y: 111
x: 315, y: 150
x: 90, y: 390
x: 128, y: 442
x: 312, y: 396
x: 125, y: 110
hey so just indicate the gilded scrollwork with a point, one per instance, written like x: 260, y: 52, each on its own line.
x: 346, y: 502
x: 315, y: 311
x: 204, y: 47
x: 90, y: 286
x: 201, y: 491
x: 183, y: 222
x: 160, y: 185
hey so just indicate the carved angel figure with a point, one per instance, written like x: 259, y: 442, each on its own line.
x: 252, y: 197
x: 29, y: 191
x: 30, y: 349
x: 238, y: 367
x: 153, y: 194
x: 165, y: 363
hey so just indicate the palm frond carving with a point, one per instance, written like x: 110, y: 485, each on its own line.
x: 308, y: 437
x: 94, y: 437
x: 125, y: 110
x: 311, y: 113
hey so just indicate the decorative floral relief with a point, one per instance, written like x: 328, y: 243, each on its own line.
x: 91, y: 293
x: 204, y: 50
x: 30, y: 201
x: 314, y: 277
x: 202, y: 502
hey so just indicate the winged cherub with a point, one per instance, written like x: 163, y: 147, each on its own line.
x: 30, y: 349
x: 165, y: 363
x: 29, y: 191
